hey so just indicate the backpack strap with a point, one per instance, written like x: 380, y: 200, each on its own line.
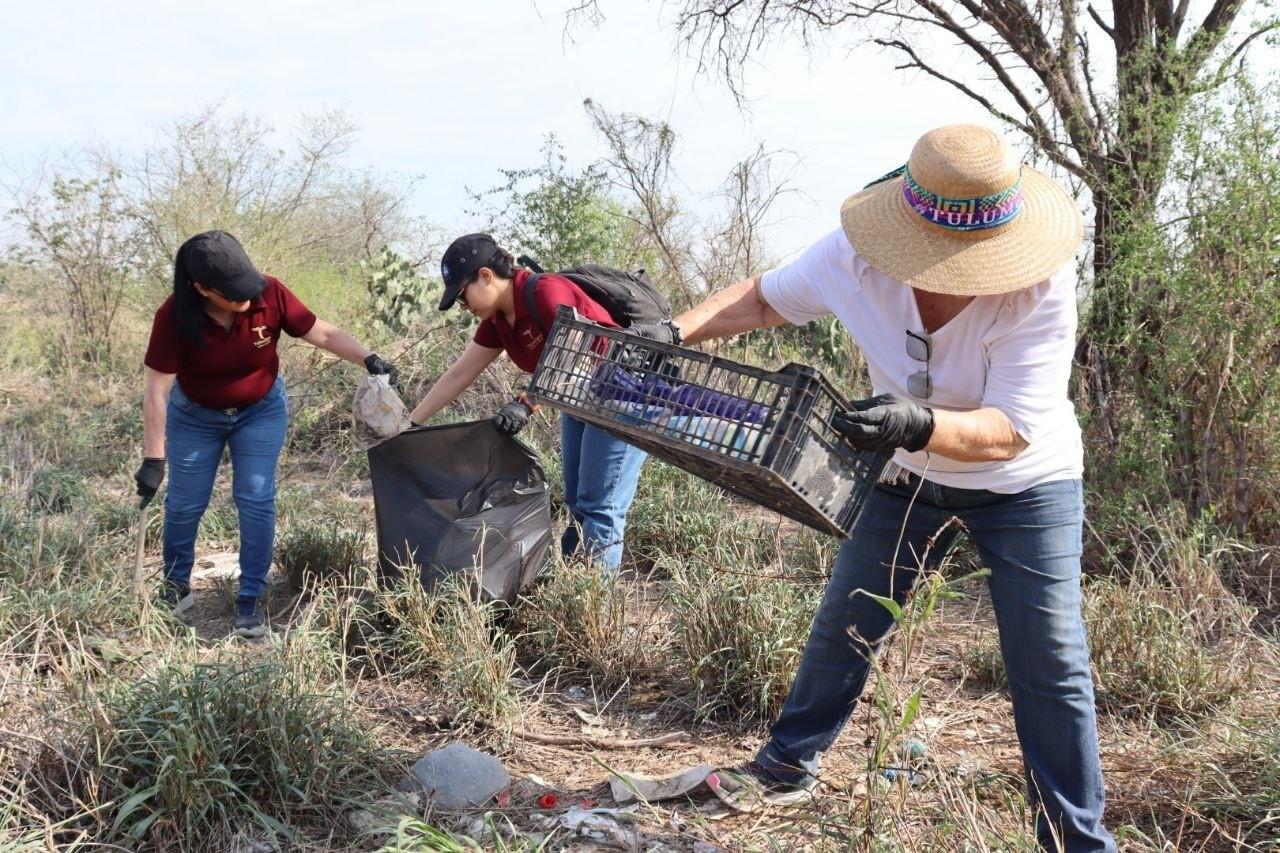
x: 530, y: 286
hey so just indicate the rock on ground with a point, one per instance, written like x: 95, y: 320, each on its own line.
x: 459, y: 777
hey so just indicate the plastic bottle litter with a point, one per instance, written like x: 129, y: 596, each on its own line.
x: 914, y: 751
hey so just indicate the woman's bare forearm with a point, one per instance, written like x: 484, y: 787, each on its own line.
x: 155, y: 402
x: 736, y: 309
x: 454, y: 381
x: 338, y: 341
x: 982, y: 435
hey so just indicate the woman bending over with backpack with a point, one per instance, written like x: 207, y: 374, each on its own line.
x: 600, y: 471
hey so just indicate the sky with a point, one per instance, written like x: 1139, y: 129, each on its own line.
x: 453, y: 91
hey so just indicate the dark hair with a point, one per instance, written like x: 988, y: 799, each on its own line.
x: 188, y: 305
x: 503, y: 265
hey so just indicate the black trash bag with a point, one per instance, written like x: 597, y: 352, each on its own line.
x: 451, y: 498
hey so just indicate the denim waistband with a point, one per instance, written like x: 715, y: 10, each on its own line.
x: 910, y: 485
x: 180, y: 399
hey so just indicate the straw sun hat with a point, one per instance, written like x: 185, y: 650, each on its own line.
x: 964, y: 217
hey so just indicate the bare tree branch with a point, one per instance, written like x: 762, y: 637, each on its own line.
x: 1102, y: 25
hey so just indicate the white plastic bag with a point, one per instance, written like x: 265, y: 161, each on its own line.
x: 377, y: 414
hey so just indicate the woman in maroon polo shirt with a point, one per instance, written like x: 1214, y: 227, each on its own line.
x: 600, y: 471
x: 213, y: 382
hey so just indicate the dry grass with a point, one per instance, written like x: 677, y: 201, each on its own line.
x: 120, y: 726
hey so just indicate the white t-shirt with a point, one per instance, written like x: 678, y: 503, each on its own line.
x: 1010, y: 351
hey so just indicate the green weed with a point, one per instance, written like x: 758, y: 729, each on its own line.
x: 195, y: 751
x: 739, y: 633
x: 581, y: 618
x: 309, y: 553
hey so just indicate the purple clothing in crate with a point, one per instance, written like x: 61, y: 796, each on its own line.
x: 615, y: 384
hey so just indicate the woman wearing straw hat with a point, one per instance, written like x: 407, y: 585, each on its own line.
x: 955, y: 276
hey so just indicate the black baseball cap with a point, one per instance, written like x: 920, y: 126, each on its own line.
x: 460, y: 261
x: 216, y: 260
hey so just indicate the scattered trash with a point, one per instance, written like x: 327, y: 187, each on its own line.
x: 382, y: 816
x: 911, y: 777
x: 218, y: 566
x: 628, y: 787
x: 914, y: 752
x: 649, y: 717
x: 590, y: 719
x: 714, y: 810
x: 459, y: 777
x: 599, y: 825
x: 377, y: 414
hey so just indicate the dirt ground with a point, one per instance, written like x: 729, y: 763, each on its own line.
x: 967, y: 729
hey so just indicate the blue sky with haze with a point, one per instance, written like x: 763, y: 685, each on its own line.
x: 456, y: 91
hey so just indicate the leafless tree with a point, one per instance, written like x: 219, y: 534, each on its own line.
x: 695, y: 255
x: 736, y: 247
x: 639, y: 166
x: 285, y: 205
x: 76, y: 228
x: 1098, y: 91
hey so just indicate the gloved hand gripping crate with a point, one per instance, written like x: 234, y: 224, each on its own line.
x: 761, y: 434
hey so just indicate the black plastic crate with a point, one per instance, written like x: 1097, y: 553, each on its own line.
x: 762, y: 434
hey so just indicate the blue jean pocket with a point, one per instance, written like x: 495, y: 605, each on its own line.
x: 179, y: 399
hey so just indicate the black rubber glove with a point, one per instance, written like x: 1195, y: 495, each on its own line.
x: 377, y: 367
x: 149, y: 477
x: 512, y: 417
x: 666, y: 332
x: 885, y: 423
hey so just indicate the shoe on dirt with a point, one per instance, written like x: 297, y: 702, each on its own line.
x: 177, y: 597
x: 250, y: 620
x: 750, y: 786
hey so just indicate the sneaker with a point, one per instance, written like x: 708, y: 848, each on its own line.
x: 749, y: 786
x: 177, y: 597
x: 250, y: 620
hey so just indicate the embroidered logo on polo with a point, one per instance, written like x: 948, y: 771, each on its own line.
x: 262, y: 340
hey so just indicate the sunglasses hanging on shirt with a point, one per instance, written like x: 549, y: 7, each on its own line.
x: 920, y: 348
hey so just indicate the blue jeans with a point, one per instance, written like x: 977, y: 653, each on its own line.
x: 600, y: 477
x: 1031, y: 542
x: 194, y: 439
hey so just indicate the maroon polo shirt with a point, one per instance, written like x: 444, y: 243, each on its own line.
x: 524, y: 340
x: 236, y: 367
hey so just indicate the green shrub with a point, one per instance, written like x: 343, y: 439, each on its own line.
x: 984, y: 662
x: 197, y: 751
x: 581, y: 618
x: 740, y: 633
x: 398, y: 295
x: 445, y: 636
x: 1148, y: 662
x: 56, y: 490
x: 455, y: 638
x: 1242, y: 789
x: 314, y: 552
